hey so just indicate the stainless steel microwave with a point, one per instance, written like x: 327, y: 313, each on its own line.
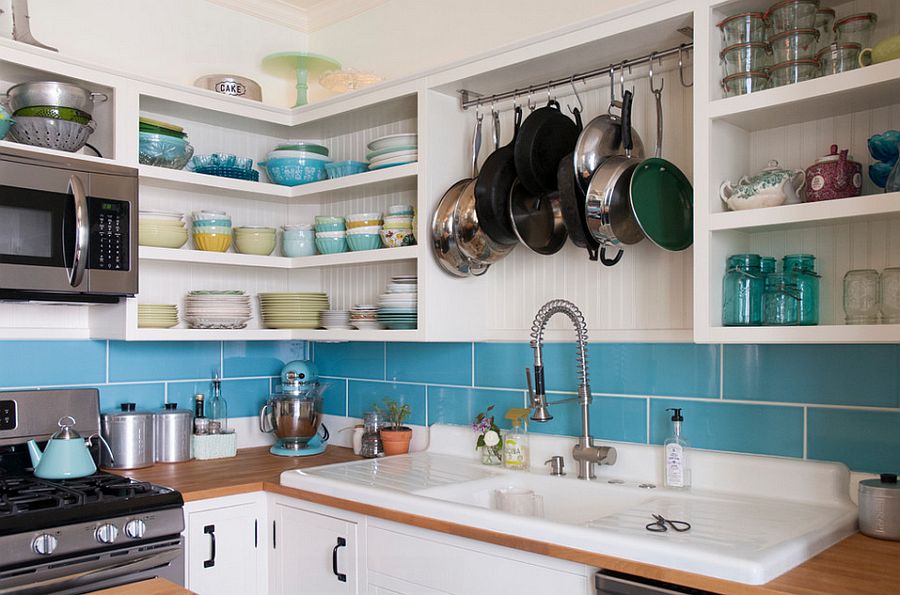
x: 68, y: 229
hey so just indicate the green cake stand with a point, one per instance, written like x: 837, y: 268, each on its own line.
x: 299, y: 64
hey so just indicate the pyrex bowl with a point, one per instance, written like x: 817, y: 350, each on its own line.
x: 331, y: 245
x: 742, y: 57
x: 292, y: 171
x: 744, y: 83
x: 838, y: 57
x: 340, y: 169
x: 212, y: 242
x: 311, y: 146
x: 856, y: 28
x: 364, y: 241
x: 794, y: 71
x: 792, y: 14
x: 799, y: 44
x: 746, y: 27
x: 163, y: 151
x: 161, y: 237
x: 262, y: 244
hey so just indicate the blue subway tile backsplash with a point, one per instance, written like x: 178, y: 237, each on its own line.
x: 830, y: 402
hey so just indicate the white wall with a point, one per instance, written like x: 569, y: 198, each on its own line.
x: 403, y: 37
x: 171, y: 40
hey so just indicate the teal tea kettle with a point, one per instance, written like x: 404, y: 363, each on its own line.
x: 66, y: 455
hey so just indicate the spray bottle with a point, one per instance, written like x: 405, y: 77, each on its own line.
x: 515, y: 442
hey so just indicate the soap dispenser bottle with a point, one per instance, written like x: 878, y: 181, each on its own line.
x: 515, y: 442
x: 677, y: 473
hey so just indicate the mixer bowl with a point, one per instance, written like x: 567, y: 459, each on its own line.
x: 294, y: 419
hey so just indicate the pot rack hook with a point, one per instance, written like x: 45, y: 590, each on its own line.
x: 530, y: 105
x: 662, y: 83
x: 577, y: 97
x: 622, y: 78
x: 681, y: 51
x: 612, y: 84
x: 549, y: 89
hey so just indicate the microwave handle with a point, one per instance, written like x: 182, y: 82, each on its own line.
x: 82, y: 231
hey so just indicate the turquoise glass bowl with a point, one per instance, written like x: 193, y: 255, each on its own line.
x: 345, y: 168
x: 363, y: 241
x: 163, y: 150
x: 331, y: 245
x: 290, y: 171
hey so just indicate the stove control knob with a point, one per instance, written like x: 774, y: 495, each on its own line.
x: 44, y: 544
x: 135, y: 529
x: 106, y: 533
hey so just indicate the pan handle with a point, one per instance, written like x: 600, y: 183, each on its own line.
x: 517, y: 121
x: 577, y: 113
x: 476, y: 142
x: 495, y: 127
x: 592, y: 252
x: 627, y: 140
x: 610, y: 261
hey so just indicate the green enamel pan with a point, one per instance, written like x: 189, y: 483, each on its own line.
x: 662, y: 198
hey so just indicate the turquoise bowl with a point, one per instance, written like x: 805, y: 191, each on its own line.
x: 163, y: 151
x: 331, y: 245
x: 363, y: 241
x: 291, y: 171
x: 212, y: 223
x: 5, y: 124
x: 330, y: 227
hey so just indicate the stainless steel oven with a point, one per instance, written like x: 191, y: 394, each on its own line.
x: 68, y: 228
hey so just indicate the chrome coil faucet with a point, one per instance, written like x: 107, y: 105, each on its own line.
x: 585, y: 453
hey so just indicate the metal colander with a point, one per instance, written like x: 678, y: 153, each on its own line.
x: 51, y: 133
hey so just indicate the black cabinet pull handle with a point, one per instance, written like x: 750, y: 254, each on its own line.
x: 341, y: 542
x: 211, y: 531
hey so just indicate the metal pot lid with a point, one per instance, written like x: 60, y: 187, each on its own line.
x: 127, y: 410
x: 886, y: 486
x: 65, y: 431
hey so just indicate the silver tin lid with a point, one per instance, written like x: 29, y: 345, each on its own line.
x: 885, y: 486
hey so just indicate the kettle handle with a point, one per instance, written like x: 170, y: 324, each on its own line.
x: 264, y: 426
x: 112, y: 458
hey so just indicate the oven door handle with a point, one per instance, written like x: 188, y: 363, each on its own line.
x: 82, y: 231
x: 88, y: 577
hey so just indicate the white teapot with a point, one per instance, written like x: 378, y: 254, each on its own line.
x: 770, y: 187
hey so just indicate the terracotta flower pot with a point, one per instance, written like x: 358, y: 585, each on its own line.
x: 396, y: 442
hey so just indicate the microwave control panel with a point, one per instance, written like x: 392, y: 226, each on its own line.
x: 109, y: 234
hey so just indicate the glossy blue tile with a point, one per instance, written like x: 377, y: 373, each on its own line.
x: 629, y: 369
x: 47, y: 363
x: 350, y: 360
x: 434, y: 363
x: 334, y: 397
x: 827, y: 374
x: 760, y: 429
x: 864, y: 440
x: 244, y: 397
x: 612, y: 418
x: 259, y: 358
x: 452, y: 405
x: 147, y: 397
x: 364, y: 394
x: 159, y: 360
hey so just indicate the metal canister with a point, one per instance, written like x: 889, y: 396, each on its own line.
x: 129, y: 434
x: 879, y: 507
x: 172, y: 429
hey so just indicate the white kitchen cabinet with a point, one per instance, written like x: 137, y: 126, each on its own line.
x: 315, y: 550
x: 224, y: 546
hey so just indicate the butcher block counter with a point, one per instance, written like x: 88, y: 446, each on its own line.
x: 858, y: 564
x: 154, y: 586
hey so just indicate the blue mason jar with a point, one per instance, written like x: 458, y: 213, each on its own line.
x: 801, y: 270
x: 782, y: 300
x: 742, y: 291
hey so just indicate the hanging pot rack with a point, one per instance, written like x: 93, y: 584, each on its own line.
x: 469, y: 98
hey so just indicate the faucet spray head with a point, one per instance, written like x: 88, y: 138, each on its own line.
x: 537, y: 399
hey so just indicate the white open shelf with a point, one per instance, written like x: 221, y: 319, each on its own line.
x: 176, y: 334
x: 277, y: 262
x: 832, y: 333
x: 860, y: 208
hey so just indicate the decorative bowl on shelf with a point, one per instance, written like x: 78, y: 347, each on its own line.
x: 293, y: 171
x: 340, y: 169
x: 395, y: 238
x: 162, y: 236
x: 163, y: 150
x: 212, y: 242
x: 363, y: 241
x: 331, y: 245
x: 254, y: 240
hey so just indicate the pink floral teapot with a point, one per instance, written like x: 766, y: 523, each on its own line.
x: 833, y: 176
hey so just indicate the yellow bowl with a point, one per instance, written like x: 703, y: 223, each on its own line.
x: 262, y: 246
x: 162, y: 238
x: 212, y: 242
x: 363, y: 223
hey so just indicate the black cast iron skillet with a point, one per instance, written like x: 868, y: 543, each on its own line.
x: 492, y: 189
x: 545, y: 136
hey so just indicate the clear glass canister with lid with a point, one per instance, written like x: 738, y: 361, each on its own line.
x: 782, y: 300
x: 742, y: 291
x: 862, y: 296
x: 801, y: 272
x: 890, y: 296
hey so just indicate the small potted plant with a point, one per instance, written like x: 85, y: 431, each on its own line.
x: 396, y: 436
x: 488, y: 443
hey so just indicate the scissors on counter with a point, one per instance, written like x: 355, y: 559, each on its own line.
x: 662, y: 525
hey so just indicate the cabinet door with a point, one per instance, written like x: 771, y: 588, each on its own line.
x: 222, y: 549
x: 314, y: 554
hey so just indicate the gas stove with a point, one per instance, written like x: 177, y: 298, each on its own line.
x: 77, y: 535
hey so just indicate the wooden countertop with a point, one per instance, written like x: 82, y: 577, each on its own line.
x: 154, y: 586
x: 859, y: 564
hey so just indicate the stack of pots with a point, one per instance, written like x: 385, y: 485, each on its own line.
x: 52, y: 115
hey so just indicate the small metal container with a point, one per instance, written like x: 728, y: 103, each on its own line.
x: 231, y: 84
x: 130, y: 436
x: 172, y: 431
x: 879, y: 507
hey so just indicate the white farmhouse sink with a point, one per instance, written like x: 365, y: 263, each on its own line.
x: 753, y: 518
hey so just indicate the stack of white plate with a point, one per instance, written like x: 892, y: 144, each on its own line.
x: 157, y: 315
x: 335, y: 319
x: 213, y: 309
x: 292, y: 309
x: 364, y: 317
x: 397, y: 306
x: 391, y: 150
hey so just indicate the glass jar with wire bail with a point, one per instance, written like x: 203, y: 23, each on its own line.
x: 801, y: 268
x: 742, y: 291
x: 782, y: 300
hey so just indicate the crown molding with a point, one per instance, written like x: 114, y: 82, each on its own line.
x: 282, y: 12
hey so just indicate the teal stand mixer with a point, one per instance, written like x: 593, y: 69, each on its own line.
x: 294, y: 412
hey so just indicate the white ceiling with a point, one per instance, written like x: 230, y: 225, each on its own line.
x: 302, y: 15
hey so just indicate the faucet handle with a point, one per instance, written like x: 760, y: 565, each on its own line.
x: 531, y: 397
x: 557, y: 465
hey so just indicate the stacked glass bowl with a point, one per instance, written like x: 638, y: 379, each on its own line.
x: 745, y: 56
x: 163, y: 144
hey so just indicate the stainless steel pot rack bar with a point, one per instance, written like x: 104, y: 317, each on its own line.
x: 469, y: 98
